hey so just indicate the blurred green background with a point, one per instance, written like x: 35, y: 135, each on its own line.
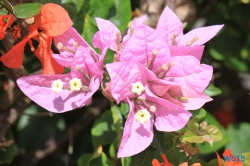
x: 80, y: 132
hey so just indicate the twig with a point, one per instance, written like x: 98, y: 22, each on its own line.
x: 12, y: 102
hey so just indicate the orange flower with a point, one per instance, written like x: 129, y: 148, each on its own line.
x: 155, y: 162
x: 186, y: 164
x: 230, y: 159
x: 53, y: 20
x: 5, y: 22
x: 15, y: 31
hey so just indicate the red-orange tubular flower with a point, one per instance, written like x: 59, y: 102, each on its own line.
x: 5, y: 22
x: 53, y: 20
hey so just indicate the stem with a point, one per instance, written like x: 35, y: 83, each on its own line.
x: 158, y: 145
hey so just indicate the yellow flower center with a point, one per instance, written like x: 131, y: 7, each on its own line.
x: 57, y: 86
x: 142, y: 116
x: 137, y: 87
x: 75, y: 84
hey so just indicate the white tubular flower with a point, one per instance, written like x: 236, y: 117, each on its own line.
x: 57, y: 86
x: 142, y: 116
x: 75, y: 84
x: 137, y: 87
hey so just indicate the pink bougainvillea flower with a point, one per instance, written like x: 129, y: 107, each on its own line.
x: 63, y: 92
x: 47, y: 24
x: 107, y: 36
x: 110, y: 36
x: 171, y: 29
x: 193, y: 79
x: 159, y: 83
x: 67, y: 43
x: 147, y: 48
x: 131, y: 82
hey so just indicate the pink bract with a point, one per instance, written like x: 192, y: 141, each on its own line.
x: 85, y: 65
x: 168, y: 115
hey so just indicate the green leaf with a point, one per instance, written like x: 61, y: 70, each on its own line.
x: 124, y: 109
x: 109, y: 58
x: 122, y: 15
x: 113, y: 148
x: 211, y: 90
x: 28, y: 124
x: 199, y: 114
x: 200, y: 133
x: 102, y: 160
x: 89, y: 29
x: 9, y: 145
x: 191, y: 137
x: 85, y: 159
x: 210, y: 163
x: 103, y: 130
x: 216, y: 54
x: 27, y: 10
x: 145, y: 157
x: 240, y: 136
x: 99, y: 8
x: 193, y: 126
x: 117, y: 119
x: 205, y: 148
x: 77, y: 3
x: 213, y: 135
x: 126, y: 161
x: 246, y: 161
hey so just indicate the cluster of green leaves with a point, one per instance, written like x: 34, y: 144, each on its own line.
x: 105, y: 135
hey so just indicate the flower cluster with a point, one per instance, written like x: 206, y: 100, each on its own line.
x: 45, y: 25
x: 156, y: 71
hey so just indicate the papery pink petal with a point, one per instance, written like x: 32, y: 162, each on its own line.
x: 187, y: 70
x: 100, y: 63
x: 139, y: 21
x: 195, y: 99
x: 168, y: 116
x: 136, y: 24
x: 71, y: 39
x: 203, y: 34
x: 107, y: 35
x: 85, y: 98
x: 159, y: 87
x: 64, y: 60
x: 122, y: 75
x: 84, y: 59
x: 140, y: 46
x: 136, y: 136
x: 195, y: 51
x: 169, y: 24
x: 38, y: 88
x: 169, y: 91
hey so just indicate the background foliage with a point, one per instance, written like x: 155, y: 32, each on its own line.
x: 91, y: 135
